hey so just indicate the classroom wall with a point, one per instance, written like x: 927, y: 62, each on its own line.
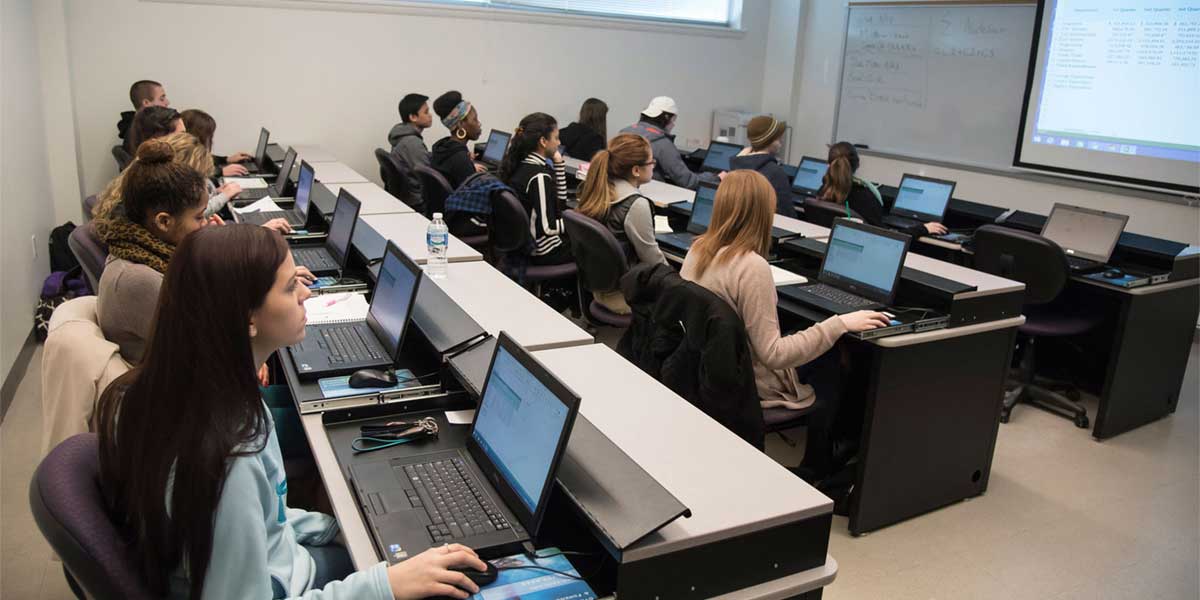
x: 24, y: 179
x: 818, y: 74
x: 347, y: 70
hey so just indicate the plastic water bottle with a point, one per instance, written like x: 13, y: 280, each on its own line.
x: 437, y: 237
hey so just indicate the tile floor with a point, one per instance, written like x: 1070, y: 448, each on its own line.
x: 1065, y: 516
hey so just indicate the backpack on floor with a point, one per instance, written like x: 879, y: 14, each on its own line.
x: 59, y: 287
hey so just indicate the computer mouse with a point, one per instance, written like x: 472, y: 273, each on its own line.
x: 1114, y: 274
x: 894, y: 322
x: 372, y: 378
x: 480, y: 578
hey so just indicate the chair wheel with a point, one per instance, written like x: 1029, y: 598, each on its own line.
x: 1081, y: 422
x: 1003, y: 417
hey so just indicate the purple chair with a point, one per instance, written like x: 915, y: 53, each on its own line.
x: 825, y: 213
x: 511, y: 241
x: 600, y: 261
x: 122, y: 157
x: 70, y: 510
x: 392, y: 173
x: 1041, y: 265
x: 89, y: 205
x: 435, y: 189
x: 90, y: 251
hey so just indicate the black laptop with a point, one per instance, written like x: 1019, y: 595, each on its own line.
x: 718, y: 156
x: 702, y: 206
x: 810, y: 176
x: 491, y: 494
x: 497, y: 145
x: 1087, y: 236
x: 919, y: 200
x: 860, y: 271
x: 283, y: 186
x: 330, y: 258
x: 342, y: 348
x: 258, y: 163
x: 297, y: 217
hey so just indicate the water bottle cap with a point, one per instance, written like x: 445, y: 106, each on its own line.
x: 437, y: 215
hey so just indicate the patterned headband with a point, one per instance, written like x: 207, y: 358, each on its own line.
x: 457, y: 115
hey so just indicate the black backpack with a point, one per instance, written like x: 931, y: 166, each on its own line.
x: 61, y: 257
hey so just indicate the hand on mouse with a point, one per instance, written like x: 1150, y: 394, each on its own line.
x: 862, y: 320
x: 936, y: 229
x: 428, y: 574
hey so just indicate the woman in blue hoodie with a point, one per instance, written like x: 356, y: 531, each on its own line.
x: 189, y: 458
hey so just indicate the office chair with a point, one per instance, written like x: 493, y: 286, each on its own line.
x: 825, y: 213
x: 511, y: 243
x: 89, y: 205
x: 123, y: 158
x: 71, y: 512
x: 1042, y: 266
x: 434, y: 189
x: 600, y: 261
x: 90, y: 251
x: 394, y: 176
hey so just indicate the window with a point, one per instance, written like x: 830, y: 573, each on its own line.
x: 722, y: 13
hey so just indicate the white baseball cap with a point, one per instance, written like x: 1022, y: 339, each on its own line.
x: 659, y: 106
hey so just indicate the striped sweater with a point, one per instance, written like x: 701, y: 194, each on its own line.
x: 543, y: 192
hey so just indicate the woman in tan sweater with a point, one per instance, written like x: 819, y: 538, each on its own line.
x: 728, y: 260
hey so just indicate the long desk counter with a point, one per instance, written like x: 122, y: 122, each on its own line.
x: 408, y: 231
x: 375, y: 200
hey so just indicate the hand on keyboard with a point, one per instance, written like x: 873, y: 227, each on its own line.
x: 428, y: 574
x: 936, y: 229
x: 863, y: 320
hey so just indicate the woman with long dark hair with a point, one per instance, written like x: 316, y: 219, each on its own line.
x: 151, y: 122
x: 189, y: 458
x: 204, y: 127
x: 534, y: 168
x: 585, y: 137
x: 842, y: 186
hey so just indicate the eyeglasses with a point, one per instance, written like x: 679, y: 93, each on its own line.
x: 650, y: 164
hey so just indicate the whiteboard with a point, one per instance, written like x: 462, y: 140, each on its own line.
x: 941, y: 82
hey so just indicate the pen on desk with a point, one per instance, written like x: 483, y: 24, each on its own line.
x: 335, y: 299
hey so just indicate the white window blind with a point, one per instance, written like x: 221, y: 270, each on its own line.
x: 705, y: 12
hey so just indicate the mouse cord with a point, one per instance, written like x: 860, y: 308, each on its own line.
x: 535, y: 555
x: 359, y: 445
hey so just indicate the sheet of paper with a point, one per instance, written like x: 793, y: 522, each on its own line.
x: 662, y: 224
x: 783, y: 277
x: 336, y: 308
x: 265, y: 204
x: 460, y: 417
x: 248, y: 183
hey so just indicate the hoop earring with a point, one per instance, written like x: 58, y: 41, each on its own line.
x: 460, y: 134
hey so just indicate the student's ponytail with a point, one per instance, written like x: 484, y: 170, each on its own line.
x: 839, y: 179
x: 532, y: 129
x: 624, y: 152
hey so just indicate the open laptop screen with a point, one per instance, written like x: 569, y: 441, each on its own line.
x: 522, y: 425
x: 702, y: 207
x: 719, y: 154
x: 394, y: 295
x: 303, y: 189
x: 497, y: 145
x: 285, y: 170
x: 260, y: 151
x: 863, y: 261
x: 923, y: 198
x: 345, y: 213
x: 1082, y: 232
x: 810, y: 175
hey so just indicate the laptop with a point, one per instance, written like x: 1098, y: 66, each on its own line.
x: 718, y: 156
x: 497, y: 145
x: 702, y: 207
x: 491, y: 494
x: 330, y: 258
x: 297, y: 217
x: 860, y: 271
x: 283, y: 186
x: 1087, y: 236
x: 810, y: 176
x: 343, y: 348
x: 258, y: 164
x: 919, y: 200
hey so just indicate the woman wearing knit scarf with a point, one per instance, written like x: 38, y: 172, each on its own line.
x: 161, y: 202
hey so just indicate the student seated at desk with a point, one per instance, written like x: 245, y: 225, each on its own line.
x: 585, y: 137
x: 189, y: 458
x: 152, y: 122
x: 655, y: 124
x: 766, y: 138
x: 841, y: 186
x: 452, y: 159
x: 142, y: 93
x: 610, y: 196
x: 541, y: 187
x: 728, y: 260
x: 203, y: 126
x: 407, y: 146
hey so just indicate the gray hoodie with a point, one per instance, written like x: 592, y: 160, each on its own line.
x: 410, y: 150
x: 670, y: 167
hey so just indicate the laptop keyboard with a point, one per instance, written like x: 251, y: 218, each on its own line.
x: 833, y: 294
x: 345, y: 345
x: 314, y: 258
x: 263, y: 216
x: 455, y: 503
x: 1080, y: 264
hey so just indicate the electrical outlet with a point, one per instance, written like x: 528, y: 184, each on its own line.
x: 33, y: 245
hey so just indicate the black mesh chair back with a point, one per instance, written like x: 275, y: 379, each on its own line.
x: 1037, y: 262
x: 597, y: 252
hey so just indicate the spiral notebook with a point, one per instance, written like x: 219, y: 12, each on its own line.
x: 348, y: 307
